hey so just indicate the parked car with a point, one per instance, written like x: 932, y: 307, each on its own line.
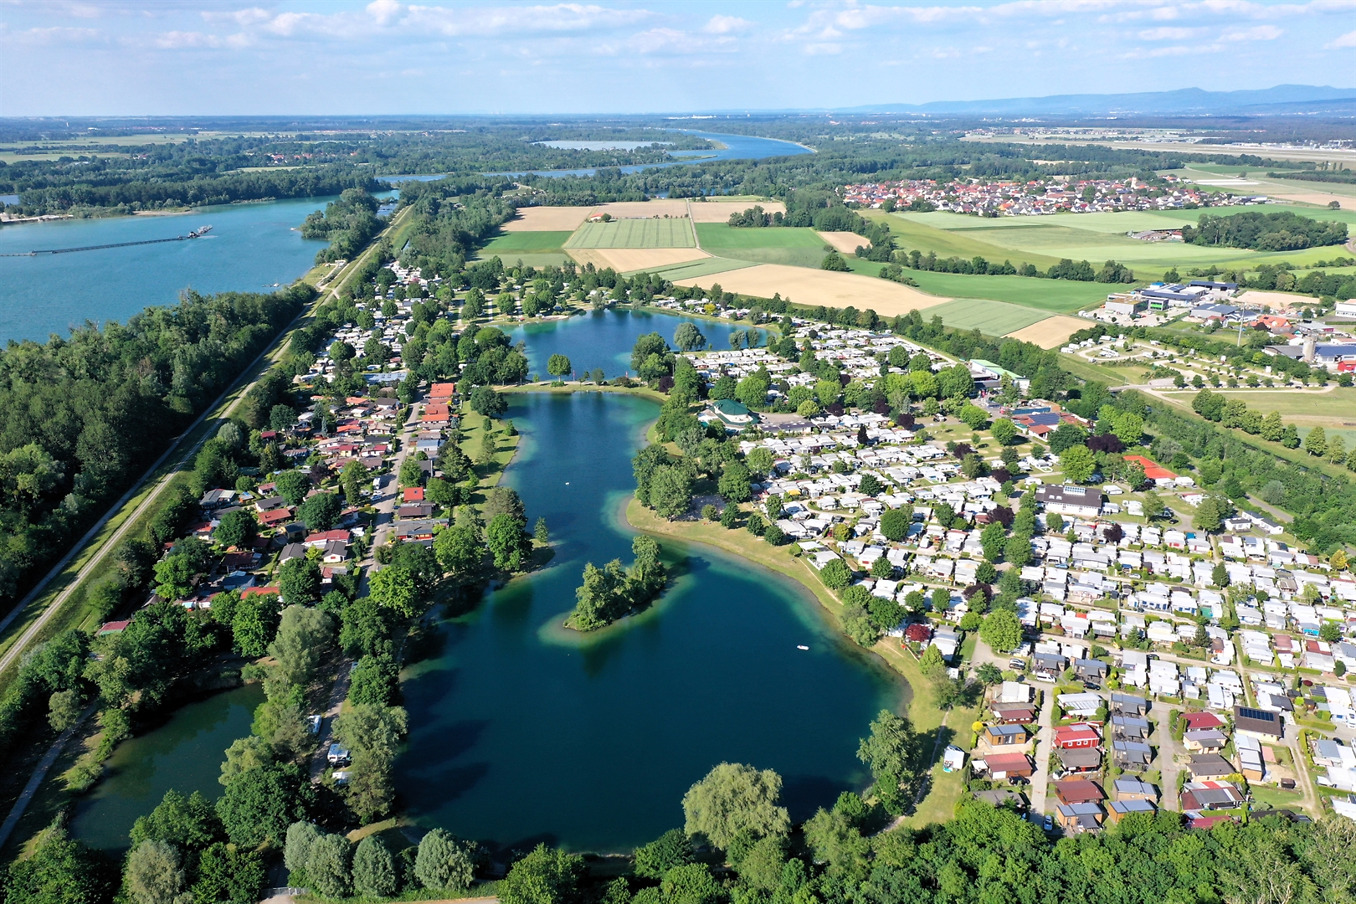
x: 1017, y: 665
x: 313, y: 723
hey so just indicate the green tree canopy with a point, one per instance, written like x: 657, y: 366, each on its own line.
x: 732, y: 800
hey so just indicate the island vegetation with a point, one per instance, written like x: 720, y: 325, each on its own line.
x: 613, y: 591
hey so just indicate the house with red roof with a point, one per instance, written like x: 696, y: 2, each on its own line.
x: 260, y: 591
x: 1198, y: 721
x: 1080, y: 736
x: 442, y: 391
x: 412, y: 494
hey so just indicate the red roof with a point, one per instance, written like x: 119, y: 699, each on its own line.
x: 413, y: 494
x: 1076, y: 736
x: 115, y: 627
x: 1197, y: 721
x: 1009, y: 763
x: 275, y: 516
x: 442, y: 390
x: 1152, y: 471
x: 259, y: 591
x: 326, y: 536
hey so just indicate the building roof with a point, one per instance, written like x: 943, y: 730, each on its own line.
x: 1077, y: 791
x: 1069, y: 495
x: 1258, y: 721
x: 1152, y: 470
x: 1008, y: 762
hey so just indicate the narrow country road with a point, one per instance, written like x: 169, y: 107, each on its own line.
x: 1040, y: 780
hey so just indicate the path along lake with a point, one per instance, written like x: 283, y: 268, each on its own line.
x: 522, y: 731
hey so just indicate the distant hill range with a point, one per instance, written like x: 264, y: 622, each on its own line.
x: 1281, y: 99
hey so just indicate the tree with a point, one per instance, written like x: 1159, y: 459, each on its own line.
x: 1004, y: 431
x: 321, y: 511
x: 544, y: 876
x: 931, y: 663
x: 254, y: 623
x: 235, y: 529
x: 444, y: 863
x: 460, y: 550
x: 1316, y: 442
x: 993, y: 539
x: 989, y: 674
x: 301, y: 835
x: 374, y: 869
x: 834, y: 261
x: 299, y: 582
x: 835, y: 575
x: 732, y: 800
x: 760, y: 461
x: 1078, y: 464
x: 889, y: 753
x: 688, y: 337
x: 228, y: 874
x: 509, y: 542
x: 59, y: 871
x: 1219, y: 575
x: 752, y: 390
x: 894, y: 524
x: 1001, y: 630
x: 1066, y: 435
x: 292, y: 486
x: 973, y: 416
x: 329, y: 866
x: 671, y: 849
x: 1209, y: 515
x: 394, y: 588
x: 259, y: 804
x: 304, y: 638
x: 186, y: 822
x: 734, y: 483
x: 558, y: 365
x: 351, y: 478
x: 486, y: 401
x: 374, y: 734
x: 670, y: 490
x: 154, y: 874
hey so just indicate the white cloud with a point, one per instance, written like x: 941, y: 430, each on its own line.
x: 1343, y: 41
x: 1256, y: 33
x: 724, y: 25
x: 58, y: 34
x: 1166, y: 33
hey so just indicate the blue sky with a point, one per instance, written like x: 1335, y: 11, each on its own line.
x: 86, y: 57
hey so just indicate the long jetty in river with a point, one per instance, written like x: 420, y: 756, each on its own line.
x: 196, y: 233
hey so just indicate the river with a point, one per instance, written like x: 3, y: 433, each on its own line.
x: 185, y: 753
x: 522, y: 731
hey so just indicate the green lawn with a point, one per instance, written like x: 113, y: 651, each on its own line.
x: 1053, y: 296
x: 994, y: 318
x: 507, y: 243
x: 675, y: 232
x: 1338, y: 403
x: 793, y: 246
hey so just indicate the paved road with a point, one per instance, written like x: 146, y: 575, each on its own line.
x: 1045, y: 739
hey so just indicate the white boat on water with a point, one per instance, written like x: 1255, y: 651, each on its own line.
x: 801, y: 646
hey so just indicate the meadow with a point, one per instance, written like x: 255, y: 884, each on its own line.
x: 675, y: 232
x: 996, y: 318
x: 1058, y: 296
x: 776, y: 245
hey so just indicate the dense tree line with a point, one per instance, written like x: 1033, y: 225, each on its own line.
x: 84, y: 415
x: 611, y: 592
x: 1280, y: 231
x: 348, y: 224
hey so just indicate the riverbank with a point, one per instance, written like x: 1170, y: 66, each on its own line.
x: 928, y: 720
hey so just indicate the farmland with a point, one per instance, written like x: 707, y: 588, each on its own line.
x: 996, y: 318
x: 1056, y: 296
x: 646, y: 233
x: 815, y: 287
x: 796, y: 247
x: 537, y: 249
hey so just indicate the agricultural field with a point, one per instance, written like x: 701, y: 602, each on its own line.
x: 1245, y: 179
x: 776, y: 245
x: 996, y: 318
x: 630, y: 260
x: 547, y: 219
x: 537, y: 249
x: 820, y: 287
x: 846, y: 242
x: 698, y: 268
x: 1095, y: 237
x: 719, y: 211
x: 1055, y: 296
x: 674, y: 232
x: 1051, y: 332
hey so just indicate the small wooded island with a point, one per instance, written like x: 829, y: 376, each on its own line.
x: 613, y: 591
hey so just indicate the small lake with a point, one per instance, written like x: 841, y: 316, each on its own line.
x: 522, y: 731
x: 251, y: 247
x: 185, y: 753
x: 605, y: 338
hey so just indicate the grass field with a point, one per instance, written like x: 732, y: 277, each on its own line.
x: 793, y: 246
x: 510, y: 243
x: 993, y: 317
x: 650, y: 233
x: 630, y: 260
x: 1055, y: 296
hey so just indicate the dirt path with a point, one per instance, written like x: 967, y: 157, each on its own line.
x: 1168, y: 766
x: 17, y: 811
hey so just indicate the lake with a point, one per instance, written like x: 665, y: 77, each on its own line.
x: 604, y: 339
x: 522, y: 731
x: 736, y: 147
x: 250, y: 248
x: 185, y: 753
